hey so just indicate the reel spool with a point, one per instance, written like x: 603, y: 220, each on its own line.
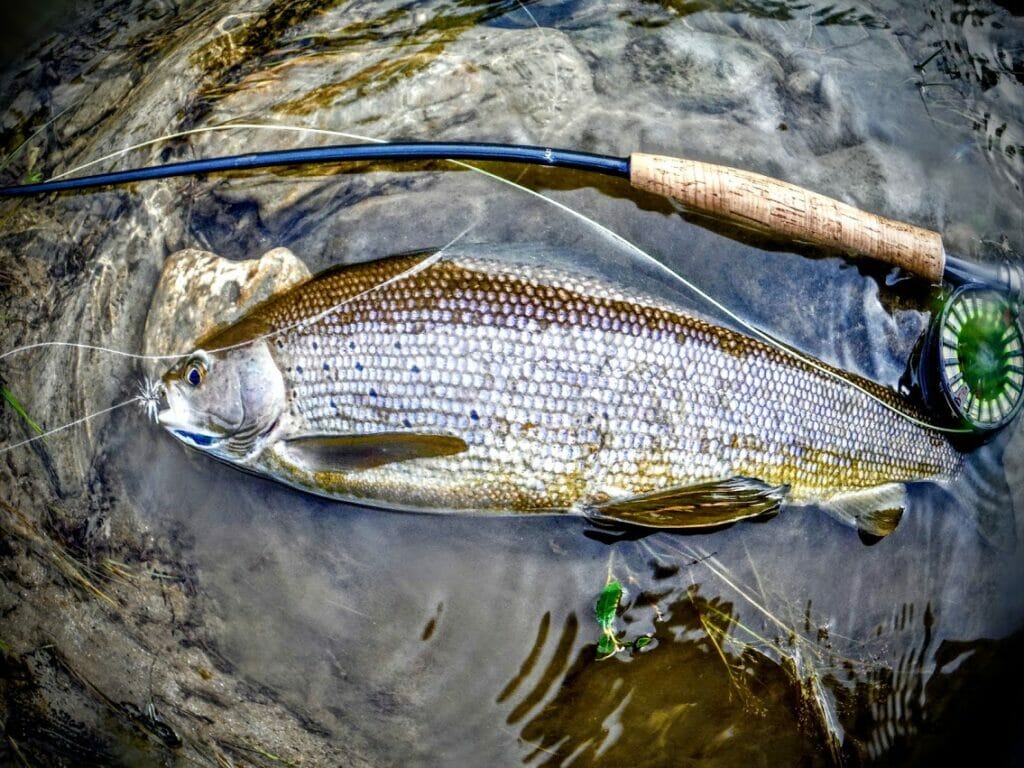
x: 971, y: 362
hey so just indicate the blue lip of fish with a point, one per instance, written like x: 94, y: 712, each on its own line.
x: 200, y: 441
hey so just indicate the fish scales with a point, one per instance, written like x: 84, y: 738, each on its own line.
x: 566, y: 390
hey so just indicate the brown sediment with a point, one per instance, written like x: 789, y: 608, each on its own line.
x: 108, y: 663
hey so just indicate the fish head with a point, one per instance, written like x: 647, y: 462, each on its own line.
x: 225, y: 402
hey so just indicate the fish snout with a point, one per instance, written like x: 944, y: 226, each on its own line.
x: 163, y: 418
x: 168, y: 407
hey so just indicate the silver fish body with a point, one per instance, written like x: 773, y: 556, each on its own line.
x: 531, y: 388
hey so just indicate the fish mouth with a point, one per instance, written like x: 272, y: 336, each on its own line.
x: 187, y: 435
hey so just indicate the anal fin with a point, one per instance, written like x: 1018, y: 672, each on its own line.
x: 704, y: 505
x: 874, y: 512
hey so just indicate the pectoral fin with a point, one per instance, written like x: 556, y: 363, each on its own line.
x: 704, y: 505
x: 874, y: 512
x: 338, y: 453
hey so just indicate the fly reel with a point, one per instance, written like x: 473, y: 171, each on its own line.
x: 970, y: 364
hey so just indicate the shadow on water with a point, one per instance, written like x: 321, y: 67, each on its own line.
x: 695, y: 693
x: 689, y: 695
x: 903, y: 715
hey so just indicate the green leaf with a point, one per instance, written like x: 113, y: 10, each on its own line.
x: 34, y: 177
x: 607, y: 604
x: 642, y: 642
x: 606, y: 646
x: 10, y: 398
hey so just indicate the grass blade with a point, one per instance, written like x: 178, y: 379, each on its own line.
x: 20, y: 409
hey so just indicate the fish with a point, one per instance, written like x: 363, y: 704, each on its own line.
x: 461, y: 382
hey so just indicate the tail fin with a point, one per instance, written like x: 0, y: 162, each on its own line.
x: 982, y: 491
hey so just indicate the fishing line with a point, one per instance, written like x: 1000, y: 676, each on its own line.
x: 150, y: 391
x: 617, y: 239
x: 74, y: 423
x: 600, y: 228
x: 416, y: 268
x: 14, y: 152
x: 91, y: 348
x: 527, y: 11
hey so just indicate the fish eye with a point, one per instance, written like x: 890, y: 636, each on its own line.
x: 195, y: 372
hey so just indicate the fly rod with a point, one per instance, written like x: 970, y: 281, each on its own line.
x: 750, y: 200
x: 970, y: 365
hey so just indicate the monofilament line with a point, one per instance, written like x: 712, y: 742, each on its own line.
x: 416, y: 268
x: 600, y: 228
x: 69, y: 425
x: 148, y: 391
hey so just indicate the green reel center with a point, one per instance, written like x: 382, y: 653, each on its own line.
x: 982, y: 357
x: 982, y: 352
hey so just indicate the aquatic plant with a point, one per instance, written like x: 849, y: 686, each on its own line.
x: 20, y: 409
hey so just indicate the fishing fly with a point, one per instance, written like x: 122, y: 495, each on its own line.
x: 149, y: 392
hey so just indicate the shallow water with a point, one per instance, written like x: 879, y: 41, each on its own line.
x: 260, y: 623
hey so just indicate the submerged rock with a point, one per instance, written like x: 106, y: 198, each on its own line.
x: 199, y: 291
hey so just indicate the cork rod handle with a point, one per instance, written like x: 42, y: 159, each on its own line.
x: 779, y: 208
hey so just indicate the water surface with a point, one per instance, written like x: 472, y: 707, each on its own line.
x: 249, y: 624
